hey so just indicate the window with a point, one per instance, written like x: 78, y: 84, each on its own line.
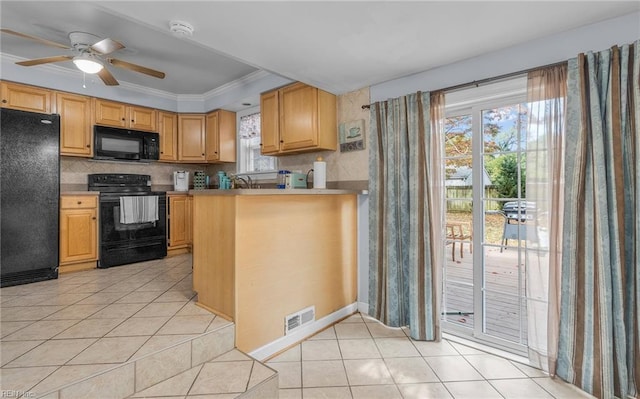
x: 250, y: 161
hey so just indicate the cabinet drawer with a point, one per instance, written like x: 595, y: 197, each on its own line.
x: 78, y: 202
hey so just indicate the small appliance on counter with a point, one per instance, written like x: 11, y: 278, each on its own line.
x: 295, y: 180
x: 181, y: 180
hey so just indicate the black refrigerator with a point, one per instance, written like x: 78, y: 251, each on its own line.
x: 29, y: 196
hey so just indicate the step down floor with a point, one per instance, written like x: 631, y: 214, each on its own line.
x: 231, y: 375
x: 108, y: 333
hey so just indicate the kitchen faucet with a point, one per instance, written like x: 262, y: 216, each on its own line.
x: 247, y: 181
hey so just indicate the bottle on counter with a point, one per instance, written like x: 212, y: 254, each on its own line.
x: 282, y: 178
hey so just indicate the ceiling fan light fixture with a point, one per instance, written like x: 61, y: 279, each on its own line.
x: 181, y: 28
x: 88, y: 64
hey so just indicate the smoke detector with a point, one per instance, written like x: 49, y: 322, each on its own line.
x: 181, y: 28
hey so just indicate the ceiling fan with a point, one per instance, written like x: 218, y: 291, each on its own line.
x: 88, y: 54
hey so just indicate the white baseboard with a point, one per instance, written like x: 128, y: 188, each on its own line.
x: 280, y: 344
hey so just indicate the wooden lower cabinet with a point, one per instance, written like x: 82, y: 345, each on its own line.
x: 179, y: 223
x: 78, y: 232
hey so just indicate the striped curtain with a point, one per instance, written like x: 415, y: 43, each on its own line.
x: 405, y: 217
x: 599, y: 342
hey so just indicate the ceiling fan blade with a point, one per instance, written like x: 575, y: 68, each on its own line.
x: 106, y: 46
x: 107, y: 77
x: 37, y: 39
x: 137, y: 68
x: 47, y: 60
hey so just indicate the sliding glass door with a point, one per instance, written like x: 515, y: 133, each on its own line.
x: 484, y: 285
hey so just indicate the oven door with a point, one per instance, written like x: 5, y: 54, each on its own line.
x: 123, y: 243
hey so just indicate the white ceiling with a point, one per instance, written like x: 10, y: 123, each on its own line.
x: 337, y: 46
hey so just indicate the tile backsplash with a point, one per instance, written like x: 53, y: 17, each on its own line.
x: 74, y: 171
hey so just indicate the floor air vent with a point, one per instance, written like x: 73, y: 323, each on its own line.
x: 296, y: 320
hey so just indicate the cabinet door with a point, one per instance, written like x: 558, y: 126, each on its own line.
x: 227, y: 136
x: 269, y: 123
x: 25, y: 98
x: 141, y: 118
x: 110, y: 113
x: 212, y: 137
x: 298, y: 117
x: 191, y: 138
x: 190, y: 220
x: 179, y: 221
x: 75, y: 124
x: 78, y: 235
x: 168, y: 130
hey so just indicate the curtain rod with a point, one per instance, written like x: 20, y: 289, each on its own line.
x: 477, y: 83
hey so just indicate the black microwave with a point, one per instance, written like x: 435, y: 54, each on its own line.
x: 113, y: 143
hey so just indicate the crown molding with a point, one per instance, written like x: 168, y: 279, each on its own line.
x: 226, y: 88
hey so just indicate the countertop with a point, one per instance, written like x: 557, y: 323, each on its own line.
x: 78, y: 192
x: 275, y: 191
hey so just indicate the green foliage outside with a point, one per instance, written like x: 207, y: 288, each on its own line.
x: 503, y: 171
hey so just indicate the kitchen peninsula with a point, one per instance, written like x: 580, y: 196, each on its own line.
x: 260, y: 255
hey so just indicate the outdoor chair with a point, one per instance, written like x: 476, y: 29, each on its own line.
x: 458, y: 232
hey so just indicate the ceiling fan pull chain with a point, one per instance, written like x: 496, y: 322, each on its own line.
x: 84, y: 80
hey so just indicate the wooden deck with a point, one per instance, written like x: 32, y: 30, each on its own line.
x: 505, y: 312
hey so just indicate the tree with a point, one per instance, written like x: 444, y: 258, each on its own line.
x: 503, y: 171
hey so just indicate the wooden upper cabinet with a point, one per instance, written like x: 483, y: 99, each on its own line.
x: 25, y: 98
x: 112, y: 113
x: 221, y: 136
x: 141, y: 118
x: 211, y: 138
x: 304, y: 119
x: 269, y: 123
x: 168, y: 130
x: 75, y: 124
x: 109, y: 113
x: 191, y: 138
x: 299, y: 117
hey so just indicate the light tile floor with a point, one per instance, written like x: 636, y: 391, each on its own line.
x: 361, y: 358
x: 58, y: 331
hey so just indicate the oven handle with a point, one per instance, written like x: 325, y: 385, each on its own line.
x: 114, y: 197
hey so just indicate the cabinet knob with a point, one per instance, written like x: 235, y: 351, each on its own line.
x: 203, y: 154
x: 93, y: 218
x: 161, y: 152
x: 132, y: 120
x: 4, y: 101
x: 282, y: 141
x: 88, y: 145
x: 79, y: 202
x: 123, y: 119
